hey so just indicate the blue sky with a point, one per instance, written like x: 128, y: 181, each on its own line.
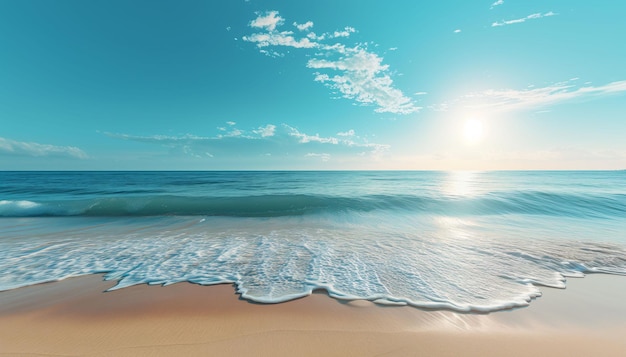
x: 235, y: 84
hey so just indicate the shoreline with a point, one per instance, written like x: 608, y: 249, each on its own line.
x: 76, y: 317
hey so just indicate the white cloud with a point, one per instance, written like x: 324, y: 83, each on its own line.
x: 523, y: 19
x: 303, y: 27
x: 457, y: 31
x: 354, y: 72
x: 315, y: 37
x: 362, y: 76
x: 21, y: 148
x: 284, y: 38
x: 323, y: 156
x: 420, y: 93
x: 497, y: 3
x: 511, y: 99
x: 346, y: 133
x: 268, y: 21
x: 304, y: 138
x: 231, y: 123
x: 266, y: 131
x: 234, y: 132
x: 271, y: 140
x: 271, y: 53
x: 344, y: 33
x: 355, y: 59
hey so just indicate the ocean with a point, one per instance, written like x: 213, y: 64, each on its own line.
x: 464, y: 241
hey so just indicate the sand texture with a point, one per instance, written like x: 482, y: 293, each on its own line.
x: 76, y: 318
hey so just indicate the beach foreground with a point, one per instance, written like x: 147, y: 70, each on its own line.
x: 75, y: 317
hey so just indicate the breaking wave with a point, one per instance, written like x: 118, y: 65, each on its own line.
x: 532, y: 203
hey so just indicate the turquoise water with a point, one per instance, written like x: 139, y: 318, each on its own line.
x: 467, y: 241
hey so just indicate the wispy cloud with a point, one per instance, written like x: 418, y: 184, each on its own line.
x: 353, y: 72
x: 457, y: 31
x: 322, y: 156
x: 347, y: 133
x: 512, y: 99
x: 497, y: 3
x: 21, y: 148
x: 272, y: 140
x: 523, y: 19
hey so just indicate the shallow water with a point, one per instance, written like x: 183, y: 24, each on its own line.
x: 467, y: 241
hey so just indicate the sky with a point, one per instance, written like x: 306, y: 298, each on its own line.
x: 312, y: 85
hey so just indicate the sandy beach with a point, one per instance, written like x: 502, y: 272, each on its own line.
x: 75, y: 317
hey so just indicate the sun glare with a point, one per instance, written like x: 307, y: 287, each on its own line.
x: 473, y: 131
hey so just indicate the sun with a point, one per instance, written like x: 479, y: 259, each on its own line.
x: 473, y: 131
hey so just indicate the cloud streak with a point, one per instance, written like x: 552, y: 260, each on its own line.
x: 497, y: 3
x: 511, y: 99
x: 523, y: 19
x: 352, y: 72
x: 276, y: 141
x: 22, y: 148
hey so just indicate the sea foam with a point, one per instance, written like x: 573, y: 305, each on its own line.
x: 435, y: 262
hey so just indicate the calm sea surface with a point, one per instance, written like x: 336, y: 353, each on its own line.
x: 467, y: 241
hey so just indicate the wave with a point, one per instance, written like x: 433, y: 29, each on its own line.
x: 532, y: 203
x: 463, y: 265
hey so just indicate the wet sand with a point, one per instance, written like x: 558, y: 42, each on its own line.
x: 75, y: 317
